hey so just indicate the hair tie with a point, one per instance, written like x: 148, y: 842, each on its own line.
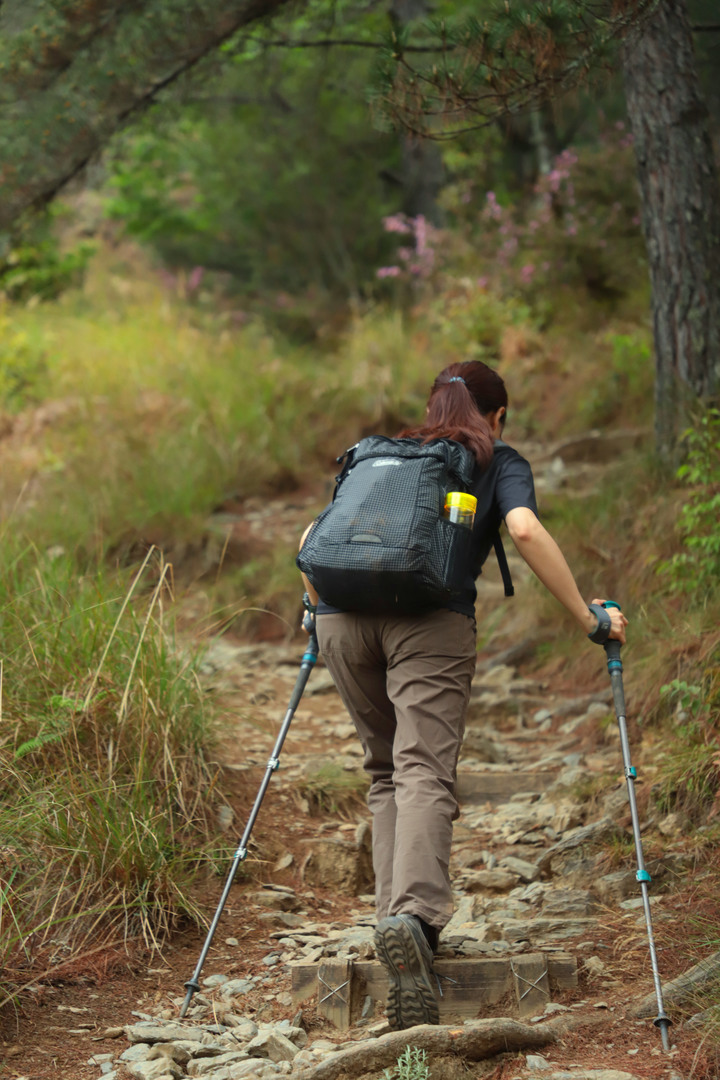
x: 456, y: 378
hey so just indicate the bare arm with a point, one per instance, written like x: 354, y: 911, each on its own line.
x: 547, y: 562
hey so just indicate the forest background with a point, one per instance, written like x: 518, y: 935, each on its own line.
x: 203, y: 306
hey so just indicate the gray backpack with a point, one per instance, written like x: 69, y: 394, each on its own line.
x: 383, y: 544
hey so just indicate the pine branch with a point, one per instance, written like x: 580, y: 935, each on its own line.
x: 65, y: 96
x: 355, y: 43
x: 506, y: 64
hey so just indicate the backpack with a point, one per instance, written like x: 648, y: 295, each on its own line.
x: 383, y: 544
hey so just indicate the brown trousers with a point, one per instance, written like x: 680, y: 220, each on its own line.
x: 405, y: 680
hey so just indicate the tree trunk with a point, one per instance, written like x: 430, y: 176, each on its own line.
x: 70, y: 74
x: 680, y: 214
x: 423, y: 171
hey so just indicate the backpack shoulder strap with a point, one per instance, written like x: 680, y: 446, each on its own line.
x: 503, y: 564
x: 345, y: 461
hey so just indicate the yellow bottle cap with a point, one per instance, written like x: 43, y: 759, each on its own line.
x: 462, y: 500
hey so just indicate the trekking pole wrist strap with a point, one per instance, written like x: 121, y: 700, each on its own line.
x: 601, y: 633
x: 308, y: 604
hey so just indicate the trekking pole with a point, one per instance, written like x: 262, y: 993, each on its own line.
x: 306, y: 665
x: 615, y: 668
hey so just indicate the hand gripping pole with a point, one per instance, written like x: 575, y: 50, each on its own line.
x: 306, y: 665
x: 615, y: 668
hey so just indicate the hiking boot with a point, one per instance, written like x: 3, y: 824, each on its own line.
x: 403, y: 950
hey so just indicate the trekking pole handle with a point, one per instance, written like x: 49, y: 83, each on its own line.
x: 310, y: 626
x: 612, y: 648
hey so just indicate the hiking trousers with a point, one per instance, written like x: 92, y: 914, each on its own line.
x: 405, y: 680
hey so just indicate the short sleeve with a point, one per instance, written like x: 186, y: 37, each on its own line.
x: 515, y: 486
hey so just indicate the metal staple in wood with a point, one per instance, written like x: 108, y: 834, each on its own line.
x: 530, y: 985
x: 333, y: 990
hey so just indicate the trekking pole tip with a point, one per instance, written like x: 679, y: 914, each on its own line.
x: 663, y: 1022
x: 192, y: 987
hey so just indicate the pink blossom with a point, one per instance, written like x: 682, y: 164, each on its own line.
x: 396, y: 223
x: 554, y: 179
x: 527, y: 272
x: 493, y: 207
x: 387, y: 271
x: 194, y: 279
x: 619, y: 125
x: 482, y: 282
x: 571, y: 230
x: 421, y: 234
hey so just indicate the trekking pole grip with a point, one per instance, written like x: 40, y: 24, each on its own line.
x: 612, y: 647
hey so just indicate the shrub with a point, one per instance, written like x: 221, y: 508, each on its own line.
x: 23, y: 368
x: 411, y: 1065
x: 697, y: 569
x: 581, y: 227
x: 690, y: 770
x: 35, y: 265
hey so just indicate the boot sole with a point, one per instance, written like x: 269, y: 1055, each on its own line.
x: 411, y: 998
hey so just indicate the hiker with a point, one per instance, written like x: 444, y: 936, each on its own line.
x: 405, y: 680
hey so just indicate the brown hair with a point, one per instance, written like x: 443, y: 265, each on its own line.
x: 460, y: 397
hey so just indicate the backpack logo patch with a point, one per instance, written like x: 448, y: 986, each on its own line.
x: 386, y: 461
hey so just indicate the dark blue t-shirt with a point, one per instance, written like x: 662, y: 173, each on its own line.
x: 505, y: 485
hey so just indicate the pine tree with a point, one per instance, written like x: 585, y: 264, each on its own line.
x: 72, y: 71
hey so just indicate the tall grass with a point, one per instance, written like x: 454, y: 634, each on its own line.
x: 105, y: 791
x: 159, y: 414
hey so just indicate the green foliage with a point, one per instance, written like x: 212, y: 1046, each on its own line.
x: 22, y: 367
x: 194, y: 181
x: 690, y: 770
x: 34, y: 265
x: 70, y: 72
x: 411, y: 1065
x: 697, y: 569
x: 471, y: 320
x: 626, y: 385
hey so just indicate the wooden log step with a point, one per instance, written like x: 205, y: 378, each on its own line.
x: 344, y: 991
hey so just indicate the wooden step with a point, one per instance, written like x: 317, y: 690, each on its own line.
x: 344, y: 991
x: 476, y: 788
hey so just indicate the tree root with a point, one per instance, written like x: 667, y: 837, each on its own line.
x: 473, y: 1041
x: 684, y: 988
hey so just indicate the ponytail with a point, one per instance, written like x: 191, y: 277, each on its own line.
x: 460, y: 398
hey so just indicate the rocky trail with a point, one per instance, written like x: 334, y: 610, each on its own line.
x: 544, y: 968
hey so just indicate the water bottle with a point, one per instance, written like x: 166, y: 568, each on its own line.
x: 460, y: 507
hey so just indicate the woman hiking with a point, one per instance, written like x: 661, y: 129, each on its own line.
x: 405, y: 681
